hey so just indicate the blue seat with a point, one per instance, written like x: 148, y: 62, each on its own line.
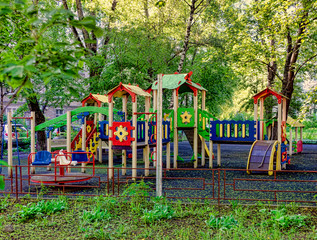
x: 79, y: 156
x: 42, y: 158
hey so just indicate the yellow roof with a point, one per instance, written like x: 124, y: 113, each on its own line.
x: 294, y: 123
x: 131, y: 88
x: 91, y: 98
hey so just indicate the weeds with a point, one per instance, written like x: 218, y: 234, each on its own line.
x: 97, y: 215
x: 221, y: 223
x: 279, y: 218
x: 159, y: 212
x: 42, y: 208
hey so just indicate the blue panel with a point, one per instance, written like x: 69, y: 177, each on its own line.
x: 103, y: 130
x: 141, y: 131
x: 230, y: 136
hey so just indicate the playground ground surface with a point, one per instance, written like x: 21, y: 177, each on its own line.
x: 220, y: 185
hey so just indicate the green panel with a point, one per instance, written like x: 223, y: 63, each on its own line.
x: 62, y: 120
x: 185, y: 117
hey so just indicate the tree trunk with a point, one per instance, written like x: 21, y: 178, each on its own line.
x: 34, y: 106
x: 187, y: 36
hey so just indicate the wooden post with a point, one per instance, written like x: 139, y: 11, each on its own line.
x: 124, y: 152
x: 196, y: 130
x: 83, y: 142
x: 261, y: 118
x: 146, y: 151
x: 32, y: 138
x: 168, y: 155
x: 100, y: 141
x: 203, y: 143
x: 279, y: 137
x: 210, y: 153
x: 256, y: 120
x: 296, y: 133
x: 134, y: 143
x: 159, y: 151
x: 49, y: 146
x: 154, y: 109
x: 218, y: 154
x: 10, y: 157
x: 68, y: 133
x: 301, y: 133
x: 175, y: 128
x: 110, y: 151
x: 290, y: 142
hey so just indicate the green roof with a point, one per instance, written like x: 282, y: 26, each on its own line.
x: 173, y: 81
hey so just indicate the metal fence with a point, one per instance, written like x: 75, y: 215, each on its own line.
x: 216, y: 185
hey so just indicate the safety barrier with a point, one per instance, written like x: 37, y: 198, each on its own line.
x: 216, y: 185
x: 241, y: 131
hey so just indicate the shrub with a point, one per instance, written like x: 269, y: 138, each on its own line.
x: 221, y: 223
x: 41, y: 208
x: 159, y: 212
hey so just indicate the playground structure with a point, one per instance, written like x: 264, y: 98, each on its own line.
x: 263, y: 153
x: 295, y: 144
x: 104, y: 127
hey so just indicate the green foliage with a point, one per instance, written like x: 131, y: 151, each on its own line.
x: 96, y: 215
x: 4, y: 203
x: 159, y: 212
x: 42, y: 208
x: 279, y: 218
x: 221, y: 223
x: 138, y: 193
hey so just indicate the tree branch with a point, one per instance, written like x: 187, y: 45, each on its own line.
x: 74, y: 30
x: 187, y: 3
x: 14, y: 96
x: 307, y: 60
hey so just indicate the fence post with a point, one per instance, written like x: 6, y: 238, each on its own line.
x: 16, y: 184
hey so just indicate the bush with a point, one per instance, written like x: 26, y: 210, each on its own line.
x: 221, y: 223
x: 159, y: 212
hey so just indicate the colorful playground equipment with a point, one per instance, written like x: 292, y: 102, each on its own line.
x: 264, y: 153
x: 296, y: 145
x: 103, y: 125
x: 193, y: 121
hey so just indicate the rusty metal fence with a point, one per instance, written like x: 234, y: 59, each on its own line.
x: 216, y: 185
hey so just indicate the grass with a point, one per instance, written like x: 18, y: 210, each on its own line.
x: 138, y: 217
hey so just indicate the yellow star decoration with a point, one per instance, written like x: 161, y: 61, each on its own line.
x: 186, y: 117
x: 121, y: 133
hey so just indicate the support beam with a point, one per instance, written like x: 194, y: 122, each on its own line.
x: 10, y: 157
x: 290, y: 142
x: 124, y: 152
x: 100, y: 141
x: 146, y: 151
x: 210, y: 154
x: 175, y: 130
x: 218, y: 155
x: 256, y: 120
x: 32, y: 138
x: 49, y: 147
x: 203, y: 143
x: 261, y: 118
x: 134, y: 143
x: 68, y: 133
x: 110, y: 151
x: 279, y: 137
x: 83, y: 142
x: 159, y: 144
x: 196, y: 131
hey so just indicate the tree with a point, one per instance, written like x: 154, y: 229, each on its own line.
x: 31, y: 55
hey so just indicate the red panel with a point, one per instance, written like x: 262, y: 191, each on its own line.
x: 122, y: 129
